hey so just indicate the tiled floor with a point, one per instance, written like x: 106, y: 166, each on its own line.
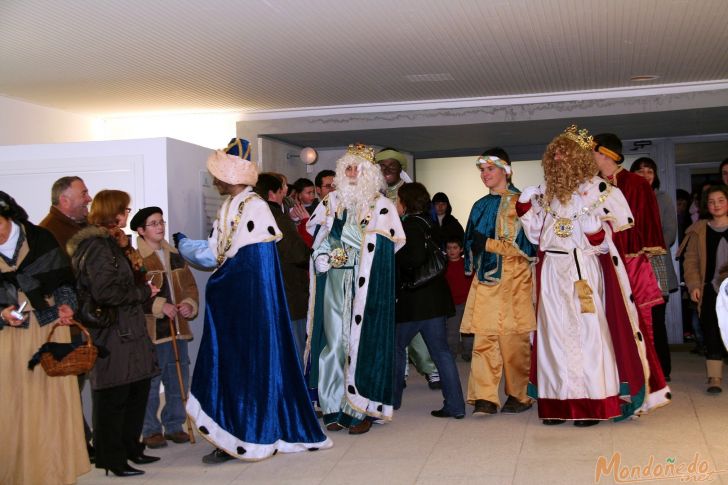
x: 515, y: 449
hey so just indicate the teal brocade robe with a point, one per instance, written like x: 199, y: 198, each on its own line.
x: 366, y: 321
x: 482, y: 224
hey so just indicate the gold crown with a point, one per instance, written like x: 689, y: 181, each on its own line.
x: 582, y: 137
x: 361, y: 150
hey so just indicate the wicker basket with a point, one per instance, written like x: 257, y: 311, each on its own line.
x: 79, y: 361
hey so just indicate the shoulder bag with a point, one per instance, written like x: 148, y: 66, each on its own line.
x: 433, y: 266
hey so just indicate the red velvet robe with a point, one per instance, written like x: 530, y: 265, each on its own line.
x: 634, y: 244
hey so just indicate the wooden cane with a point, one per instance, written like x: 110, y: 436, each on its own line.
x: 183, y: 391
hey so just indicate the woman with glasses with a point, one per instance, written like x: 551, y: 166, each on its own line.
x: 111, y: 271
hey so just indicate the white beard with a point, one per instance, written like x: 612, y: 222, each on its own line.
x: 356, y: 197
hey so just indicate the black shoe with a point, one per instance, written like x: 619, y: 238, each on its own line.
x: 143, y: 459
x: 553, y: 422
x: 698, y: 349
x: 217, y: 456
x: 91, y: 453
x: 585, y: 423
x: 483, y: 407
x: 514, y: 406
x: 124, y: 471
x: 441, y: 413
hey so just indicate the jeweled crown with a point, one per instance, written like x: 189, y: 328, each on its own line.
x: 582, y: 137
x: 361, y: 150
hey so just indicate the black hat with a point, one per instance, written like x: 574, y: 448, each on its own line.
x: 10, y: 209
x: 610, y: 145
x: 140, y: 218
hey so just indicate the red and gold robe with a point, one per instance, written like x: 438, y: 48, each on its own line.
x: 635, y: 244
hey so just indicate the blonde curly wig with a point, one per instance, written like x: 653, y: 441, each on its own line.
x: 566, y: 165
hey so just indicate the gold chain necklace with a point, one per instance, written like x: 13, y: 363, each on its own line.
x: 564, y: 226
x: 225, y: 240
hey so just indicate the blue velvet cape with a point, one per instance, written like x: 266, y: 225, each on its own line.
x: 247, y: 377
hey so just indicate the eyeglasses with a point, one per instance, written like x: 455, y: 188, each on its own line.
x: 155, y: 224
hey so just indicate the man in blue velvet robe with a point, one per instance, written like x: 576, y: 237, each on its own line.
x: 350, y: 349
x: 248, y: 396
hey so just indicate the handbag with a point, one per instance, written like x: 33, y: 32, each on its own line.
x: 432, y: 267
x: 90, y: 312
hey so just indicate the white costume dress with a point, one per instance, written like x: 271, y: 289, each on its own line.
x: 580, y: 373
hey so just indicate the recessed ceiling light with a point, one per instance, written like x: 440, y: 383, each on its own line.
x: 643, y: 78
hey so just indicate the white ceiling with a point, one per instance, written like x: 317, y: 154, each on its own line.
x: 114, y: 57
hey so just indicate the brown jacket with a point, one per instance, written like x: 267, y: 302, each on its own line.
x: 695, y: 262
x: 61, y: 226
x: 63, y: 229
x: 184, y: 290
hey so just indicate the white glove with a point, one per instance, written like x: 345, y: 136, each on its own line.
x: 321, y: 263
x: 590, y: 224
x: 528, y: 193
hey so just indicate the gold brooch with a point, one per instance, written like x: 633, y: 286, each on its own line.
x: 338, y: 257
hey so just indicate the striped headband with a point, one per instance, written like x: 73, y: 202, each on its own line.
x: 492, y: 160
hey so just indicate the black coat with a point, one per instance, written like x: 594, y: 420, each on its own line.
x: 294, y: 256
x: 131, y: 352
x: 449, y: 229
x: 431, y: 299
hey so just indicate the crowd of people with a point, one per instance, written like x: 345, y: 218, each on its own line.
x: 326, y: 296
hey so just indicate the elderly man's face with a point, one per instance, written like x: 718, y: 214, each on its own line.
x: 390, y: 169
x: 74, y: 201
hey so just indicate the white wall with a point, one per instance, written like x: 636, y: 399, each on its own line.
x: 459, y: 178
x: 211, y: 130
x: 25, y: 123
x: 271, y: 156
x: 136, y: 166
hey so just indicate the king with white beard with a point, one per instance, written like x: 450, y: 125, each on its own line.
x: 350, y: 348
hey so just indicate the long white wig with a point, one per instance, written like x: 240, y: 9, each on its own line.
x: 357, y: 195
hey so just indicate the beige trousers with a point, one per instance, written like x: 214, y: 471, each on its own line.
x: 493, y: 356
